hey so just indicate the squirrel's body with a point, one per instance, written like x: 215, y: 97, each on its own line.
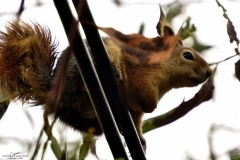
x: 27, y: 57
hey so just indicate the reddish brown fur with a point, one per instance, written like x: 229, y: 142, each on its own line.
x: 27, y: 55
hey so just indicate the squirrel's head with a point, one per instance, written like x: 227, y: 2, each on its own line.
x: 186, y: 66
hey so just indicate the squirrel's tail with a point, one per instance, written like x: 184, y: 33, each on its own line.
x: 27, y: 57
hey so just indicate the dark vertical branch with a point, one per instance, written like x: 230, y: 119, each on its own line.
x: 3, y: 107
x: 110, y: 84
x: 21, y: 8
x: 91, y: 81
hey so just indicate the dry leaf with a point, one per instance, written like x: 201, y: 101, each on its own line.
x: 141, y: 49
x: 237, y: 69
x: 231, y: 32
x: 93, y: 150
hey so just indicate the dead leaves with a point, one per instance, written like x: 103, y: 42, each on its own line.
x: 233, y: 37
x: 237, y: 69
x: 142, y: 49
x: 230, y: 27
x: 147, y: 50
x: 231, y: 32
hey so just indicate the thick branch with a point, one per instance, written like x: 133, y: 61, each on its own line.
x: 204, y: 94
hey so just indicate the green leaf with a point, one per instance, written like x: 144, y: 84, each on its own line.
x: 56, y: 148
x: 141, y: 29
x: 198, y: 46
x: 88, y: 141
x: 237, y: 51
x: 174, y: 10
x: 219, y: 4
x: 234, y: 154
x: 188, y: 30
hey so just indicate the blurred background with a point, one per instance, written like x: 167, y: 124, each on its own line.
x: 210, y: 131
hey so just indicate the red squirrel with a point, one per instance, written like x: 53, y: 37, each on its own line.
x: 28, y: 55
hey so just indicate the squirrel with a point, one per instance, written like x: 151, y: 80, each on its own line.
x: 28, y: 55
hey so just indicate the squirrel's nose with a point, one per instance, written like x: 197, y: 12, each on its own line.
x: 209, y: 73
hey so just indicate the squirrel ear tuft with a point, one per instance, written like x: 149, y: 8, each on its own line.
x: 180, y: 42
x: 163, y: 26
x: 168, y: 31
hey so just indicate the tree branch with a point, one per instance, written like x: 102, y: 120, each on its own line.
x: 204, y: 94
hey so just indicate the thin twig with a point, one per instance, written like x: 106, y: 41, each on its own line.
x: 48, y: 131
x: 210, y: 143
x: 14, y: 13
x: 210, y: 64
x: 21, y: 8
x: 37, y: 144
x: 121, y: 3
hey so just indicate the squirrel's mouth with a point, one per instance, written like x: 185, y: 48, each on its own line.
x: 198, y: 80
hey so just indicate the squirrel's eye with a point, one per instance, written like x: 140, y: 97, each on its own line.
x: 188, y: 55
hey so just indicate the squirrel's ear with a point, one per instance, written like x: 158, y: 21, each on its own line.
x: 163, y: 26
x: 180, y: 42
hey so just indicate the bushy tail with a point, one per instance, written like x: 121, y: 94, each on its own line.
x: 27, y: 57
